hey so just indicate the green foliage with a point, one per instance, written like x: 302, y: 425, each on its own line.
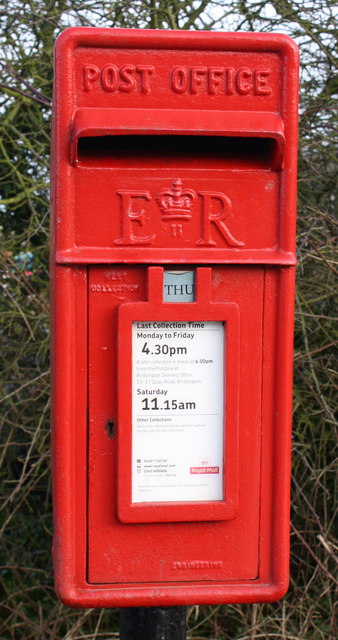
x: 28, y: 30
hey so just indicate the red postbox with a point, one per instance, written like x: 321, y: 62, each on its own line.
x: 173, y: 262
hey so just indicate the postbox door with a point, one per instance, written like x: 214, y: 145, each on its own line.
x: 164, y: 551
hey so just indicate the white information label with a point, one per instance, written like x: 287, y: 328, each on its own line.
x: 178, y: 411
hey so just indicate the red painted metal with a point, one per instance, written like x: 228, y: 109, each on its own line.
x: 171, y: 148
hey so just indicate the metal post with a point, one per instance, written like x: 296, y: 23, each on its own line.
x: 153, y: 623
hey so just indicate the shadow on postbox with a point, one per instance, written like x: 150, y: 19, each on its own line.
x: 173, y: 258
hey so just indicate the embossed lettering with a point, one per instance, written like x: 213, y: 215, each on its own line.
x: 197, y: 564
x: 244, y: 81
x: 177, y: 205
x: 197, y: 77
x: 230, y: 80
x: 261, y: 77
x: 220, y: 80
x: 129, y: 83
x: 126, y: 78
x: 215, y: 75
x: 115, y: 275
x: 129, y: 217
x: 91, y: 73
x: 146, y: 71
x: 179, y: 79
x: 194, y: 80
x: 176, y: 230
x: 210, y: 217
x: 114, y: 288
x: 109, y: 77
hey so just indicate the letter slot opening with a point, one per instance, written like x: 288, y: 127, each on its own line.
x: 178, y: 151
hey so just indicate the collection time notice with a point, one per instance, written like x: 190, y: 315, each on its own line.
x: 178, y: 402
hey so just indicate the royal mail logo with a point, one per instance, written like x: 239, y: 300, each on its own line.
x: 177, y: 206
x: 203, y: 470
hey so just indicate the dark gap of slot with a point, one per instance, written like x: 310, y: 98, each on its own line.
x: 175, y: 149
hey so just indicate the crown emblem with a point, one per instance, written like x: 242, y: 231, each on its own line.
x: 176, y: 203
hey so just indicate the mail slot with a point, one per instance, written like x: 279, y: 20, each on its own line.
x: 172, y: 270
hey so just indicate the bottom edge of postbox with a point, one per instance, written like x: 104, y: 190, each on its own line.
x: 169, y: 595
